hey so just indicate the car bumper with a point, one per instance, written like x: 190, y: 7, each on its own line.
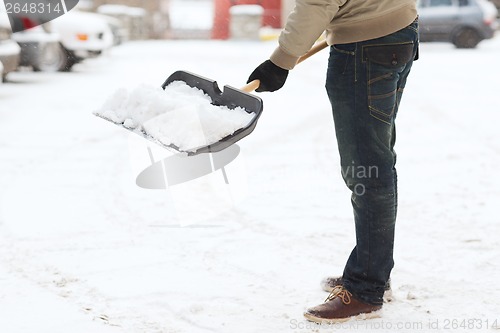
x: 84, y: 54
x: 92, y: 47
x: 488, y: 33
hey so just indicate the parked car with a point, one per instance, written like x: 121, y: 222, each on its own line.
x: 464, y: 23
x: 9, y: 50
x: 133, y: 20
x: 120, y: 33
x: 83, y: 35
x: 63, y: 42
x: 40, y: 48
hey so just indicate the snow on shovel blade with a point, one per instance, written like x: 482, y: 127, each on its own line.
x: 231, y: 100
x: 229, y: 97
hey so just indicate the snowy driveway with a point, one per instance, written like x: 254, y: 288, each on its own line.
x: 83, y: 249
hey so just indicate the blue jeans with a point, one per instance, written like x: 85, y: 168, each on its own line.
x: 365, y: 83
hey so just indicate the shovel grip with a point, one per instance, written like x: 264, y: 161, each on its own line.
x: 251, y: 86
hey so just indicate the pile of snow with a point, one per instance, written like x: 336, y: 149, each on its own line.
x: 191, y: 14
x: 250, y: 10
x: 111, y: 9
x: 179, y: 115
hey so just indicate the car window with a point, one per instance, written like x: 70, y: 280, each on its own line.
x: 463, y: 3
x: 440, y: 3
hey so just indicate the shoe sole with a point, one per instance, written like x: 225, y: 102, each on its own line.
x: 361, y: 316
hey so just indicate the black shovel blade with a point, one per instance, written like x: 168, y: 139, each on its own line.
x: 230, y: 97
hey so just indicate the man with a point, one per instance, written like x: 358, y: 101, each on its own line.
x: 373, y: 45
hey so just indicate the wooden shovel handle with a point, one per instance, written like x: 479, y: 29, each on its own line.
x: 251, y: 86
x: 315, y: 49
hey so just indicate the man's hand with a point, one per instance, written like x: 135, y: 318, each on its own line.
x: 271, y: 76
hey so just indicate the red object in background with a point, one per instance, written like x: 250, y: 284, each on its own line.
x: 28, y: 23
x: 271, y: 17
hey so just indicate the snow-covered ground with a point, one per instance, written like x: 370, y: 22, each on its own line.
x: 84, y: 249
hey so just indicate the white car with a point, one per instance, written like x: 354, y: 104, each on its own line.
x: 62, y: 42
x: 83, y: 35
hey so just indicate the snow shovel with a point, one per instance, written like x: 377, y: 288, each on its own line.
x: 230, y: 97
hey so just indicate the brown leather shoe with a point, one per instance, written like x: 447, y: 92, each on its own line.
x: 329, y: 283
x: 341, y: 306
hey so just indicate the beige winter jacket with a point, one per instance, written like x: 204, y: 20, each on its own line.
x: 345, y: 21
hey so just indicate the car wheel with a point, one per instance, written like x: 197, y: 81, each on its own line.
x: 71, y: 59
x: 52, y: 58
x: 466, y: 38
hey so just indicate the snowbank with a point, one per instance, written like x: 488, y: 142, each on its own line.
x: 246, y: 10
x: 191, y: 14
x: 121, y: 10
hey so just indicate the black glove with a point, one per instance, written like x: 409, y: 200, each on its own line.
x: 271, y: 77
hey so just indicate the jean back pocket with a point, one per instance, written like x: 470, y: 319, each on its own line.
x: 384, y: 64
